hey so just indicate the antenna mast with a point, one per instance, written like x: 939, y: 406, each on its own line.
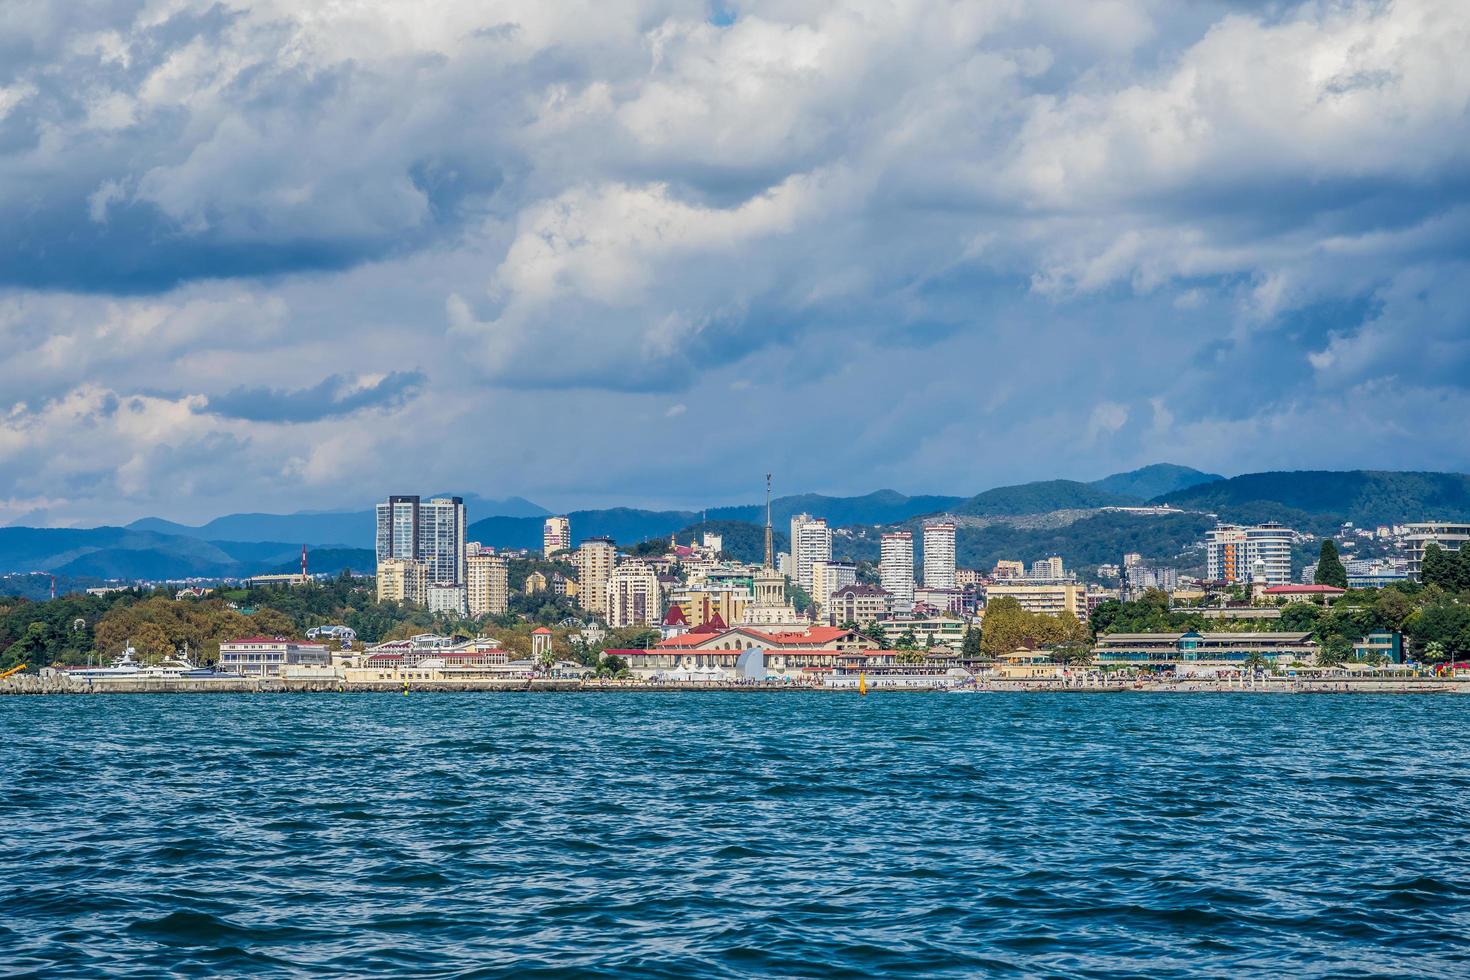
x: 770, y: 562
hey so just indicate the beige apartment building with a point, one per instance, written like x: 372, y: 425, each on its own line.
x: 594, y: 561
x: 633, y: 596
x: 556, y: 536
x: 403, y: 580
x: 858, y: 603
x: 1052, y: 599
x: 700, y: 604
x: 488, y: 585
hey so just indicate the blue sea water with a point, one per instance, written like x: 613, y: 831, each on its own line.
x: 726, y: 835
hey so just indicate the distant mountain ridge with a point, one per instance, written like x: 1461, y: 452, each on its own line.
x: 351, y: 528
x: 1320, y: 499
x: 1309, y: 500
x: 127, y: 553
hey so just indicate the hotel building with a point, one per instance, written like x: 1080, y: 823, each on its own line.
x: 896, y: 569
x: 939, y: 555
x: 1234, y: 553
x: 556, y: 536
x: 594, y: 561
x: 811, y: 542
x: 488, y: 585
x: 1450, y: 537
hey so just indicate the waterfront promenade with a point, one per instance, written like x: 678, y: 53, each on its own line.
x: 32, y: 684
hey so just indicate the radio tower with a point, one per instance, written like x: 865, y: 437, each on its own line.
x: 303, y: 564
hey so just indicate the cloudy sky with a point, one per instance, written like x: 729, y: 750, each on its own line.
x: 287, y: 255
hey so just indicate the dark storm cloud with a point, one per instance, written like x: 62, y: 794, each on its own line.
x: 332, y: 397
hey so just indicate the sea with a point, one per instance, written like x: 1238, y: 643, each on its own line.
x: 694, y: 835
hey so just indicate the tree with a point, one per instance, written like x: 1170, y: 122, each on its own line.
x: 1071, y: 652
x: 1333, y: 651
x: 970, y: 648
x: 908, y: 641
x: 1330, y: 569
x: 1255, y: 661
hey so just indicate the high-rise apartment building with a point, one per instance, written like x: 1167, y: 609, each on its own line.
x: 1048, y: 568
x: 431, y: 531
x: 594, y: 561
x: 939, y: 555
x: 1053, y: 598
x: 488, y: 585
x: 556, y: 536
x: 1234, y: 553
x: 1449, y: 537
x: 403, y: 580
x: 811, y: 541
x: 633, y: 596
x: 828, y: 577
x: 1005, y: 568
x: 896, y: 569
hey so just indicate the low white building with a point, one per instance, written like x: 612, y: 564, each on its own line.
x: 268, y: 656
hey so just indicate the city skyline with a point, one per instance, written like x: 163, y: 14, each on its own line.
x: 1224, y: 234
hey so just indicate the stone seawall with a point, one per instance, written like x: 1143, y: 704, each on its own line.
x: 34, y: 684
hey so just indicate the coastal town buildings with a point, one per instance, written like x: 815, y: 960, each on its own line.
x: 1194, y: 652
x: 1237, y: 553
x: 266, y: 656
x: 859, y: 603
x: 431, y: 531
x: 1449, y: 536
x: 811, y: 542
x: 1048, y: 569
x: 1052, y: 598
x: 768, y: 606
x: 699, y: 604
x: 556, y: 536
x: 827, y: 578
x: 488, y: 585
x: 594, y: 561
x: 633, y: 595
x: 896, y: 568
x: 403, y: 580
x: 939, y: 559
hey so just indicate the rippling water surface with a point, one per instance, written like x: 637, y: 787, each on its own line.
x: 711, y: 835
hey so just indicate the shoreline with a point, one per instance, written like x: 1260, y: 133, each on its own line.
x: 32, y: 685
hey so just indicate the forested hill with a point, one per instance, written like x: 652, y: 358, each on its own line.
x: 1039, y: 498
x: 1320, y: 499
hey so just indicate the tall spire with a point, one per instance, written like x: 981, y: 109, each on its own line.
x: 770, y: 563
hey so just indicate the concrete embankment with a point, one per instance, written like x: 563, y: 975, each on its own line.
x: 34, y: 684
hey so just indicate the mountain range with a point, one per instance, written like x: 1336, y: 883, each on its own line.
x: 997, y: 522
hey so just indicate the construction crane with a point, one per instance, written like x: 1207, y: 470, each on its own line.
x: 12, y: 671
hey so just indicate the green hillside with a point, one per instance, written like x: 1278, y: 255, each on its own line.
x: 1322, y: 499
x: 1039, y: 498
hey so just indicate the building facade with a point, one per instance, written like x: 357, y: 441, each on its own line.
x: 811, y: 542
x: 594, y: 561
x: 431, y: 531
x: 939, y: 568
x: 403, y: 580
x: 1236, y: 553
x: 266, y: 656
x: 1048, y: 568
x: 488, y: 585
x: 633, y: 597
x: 827, y: 578
x: 1051, y: 598
x: 556, y: 536
x: 1450, y: 537
x: 896, y: 569
x: 859, y: 603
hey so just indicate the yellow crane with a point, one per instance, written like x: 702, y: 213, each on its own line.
x: 12, y: 671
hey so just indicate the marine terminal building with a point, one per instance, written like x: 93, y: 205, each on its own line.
x: 1194, y: 652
